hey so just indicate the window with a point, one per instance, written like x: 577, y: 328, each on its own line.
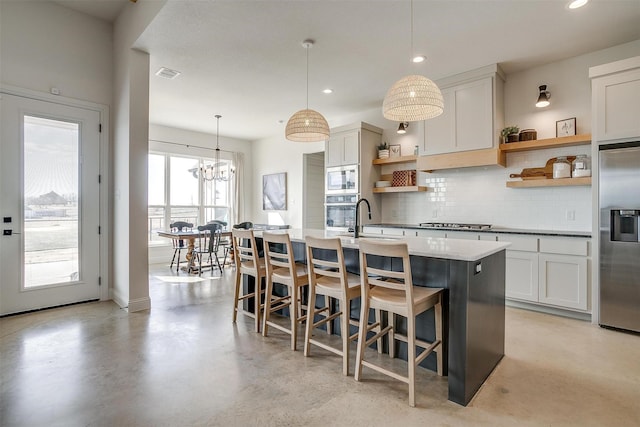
x: 180, y: 191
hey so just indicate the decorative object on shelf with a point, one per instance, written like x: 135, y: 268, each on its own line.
x: 543, y: 97
x: 383, y: 151
x: 307, y: 125
x: 566, y: 127
x: 402, y: 128
x: 414, y: 97
x: 383, y: 184
x: 561, y: 168
x: 404, y: 178
x: 581, y: 166
x: 395, y: 150
x: 274, y: 192
x: 528, y: 135
x: 510, y: 134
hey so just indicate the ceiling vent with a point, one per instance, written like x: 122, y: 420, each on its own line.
x: 167, y: 73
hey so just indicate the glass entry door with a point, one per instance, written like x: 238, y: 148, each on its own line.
x: 50, y: 204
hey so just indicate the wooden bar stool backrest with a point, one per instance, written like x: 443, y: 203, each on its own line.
x: 245, y: 255
x: 322, y: 270
x: 281, y: 261
x: 397, y: 280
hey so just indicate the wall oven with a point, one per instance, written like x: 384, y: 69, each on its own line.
x: 341, y: 180
x: 340, y: 212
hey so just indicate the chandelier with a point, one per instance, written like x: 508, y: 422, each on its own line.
x: 214, y: 172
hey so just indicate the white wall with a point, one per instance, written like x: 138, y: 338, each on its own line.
x: 479, y: 195
x: 45, y: 45
x: 275, y: 155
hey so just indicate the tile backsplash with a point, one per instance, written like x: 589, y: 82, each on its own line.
x: 480, y: 195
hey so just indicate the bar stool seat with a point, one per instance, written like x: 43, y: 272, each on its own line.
x: 394, y: 292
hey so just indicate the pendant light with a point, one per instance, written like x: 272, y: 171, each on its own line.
x: 217, y: 173
x: 413, y: 97
x: 307, y: 125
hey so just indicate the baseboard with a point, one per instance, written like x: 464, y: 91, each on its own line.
x: 549, y: 310
x: 139, y: 304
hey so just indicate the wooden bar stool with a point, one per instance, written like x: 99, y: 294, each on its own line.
x: 247, y: 262
x: 393, y: 291
x: 282, y: 268
x: 331, y: 280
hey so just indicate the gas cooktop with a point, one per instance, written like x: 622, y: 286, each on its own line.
x: 455, y: 225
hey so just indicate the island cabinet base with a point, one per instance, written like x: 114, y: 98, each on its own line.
x: 476, y: 324
x: 472, y: 309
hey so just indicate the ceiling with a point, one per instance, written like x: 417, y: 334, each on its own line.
x: 244, y: 59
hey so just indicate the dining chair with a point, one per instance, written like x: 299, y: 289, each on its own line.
x: 328, y: 277
x: 282, y: 268
x: 208, y: 246
x: 394, y: 292
x: 179, y: 244
x: 248, y: 262
x: 225, y: 242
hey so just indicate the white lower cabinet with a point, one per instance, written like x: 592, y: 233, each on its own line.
x: 549, y: 271
x: 563, y: 280
x: 521, y: 277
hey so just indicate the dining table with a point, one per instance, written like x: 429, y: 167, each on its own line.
x: 190, y: 236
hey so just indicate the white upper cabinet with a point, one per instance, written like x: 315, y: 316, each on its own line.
x: 616, y: 100
x: 343, y: 149
x: 472, y: 113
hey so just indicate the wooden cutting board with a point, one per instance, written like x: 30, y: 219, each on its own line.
x: 540, y: 173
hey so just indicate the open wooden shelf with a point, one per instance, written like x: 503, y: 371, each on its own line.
x: 562, y: 182
x: 393, y: 160
x: 406, y: 189
x: 539, y: 144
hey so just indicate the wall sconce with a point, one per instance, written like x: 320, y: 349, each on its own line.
x: 543, y: 98
x: 402, y: 128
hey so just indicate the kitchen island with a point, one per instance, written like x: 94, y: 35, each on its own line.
x: 473, y: 276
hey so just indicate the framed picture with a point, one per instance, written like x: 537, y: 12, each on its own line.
x: 274, y: 192
x: 566, y: 127
x: 394, y: 150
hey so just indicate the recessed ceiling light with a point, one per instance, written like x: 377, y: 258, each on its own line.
x: 327, y: 90
x: 167, y: 73
x: 577, y: 3
x: 419, y: 58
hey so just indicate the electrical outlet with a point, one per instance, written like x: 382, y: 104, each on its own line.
x: 571, y: 215
x: 435, y: 213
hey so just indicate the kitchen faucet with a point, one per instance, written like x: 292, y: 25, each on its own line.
x: 356, y: 232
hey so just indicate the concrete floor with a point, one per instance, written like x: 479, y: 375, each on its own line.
x: 184, y: 363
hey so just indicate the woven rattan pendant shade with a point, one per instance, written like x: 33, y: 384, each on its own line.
x: 411, y: 99
x: 307, y: 126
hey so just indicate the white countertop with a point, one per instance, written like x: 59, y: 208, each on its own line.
x: 434, y: 247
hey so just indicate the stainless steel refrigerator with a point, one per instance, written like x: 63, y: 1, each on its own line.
x: 619, y: 181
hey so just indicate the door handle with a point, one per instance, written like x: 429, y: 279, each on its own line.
x: 7, y: 232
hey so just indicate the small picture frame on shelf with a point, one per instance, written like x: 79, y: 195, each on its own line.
x: 394, y: 151
x: 566, y: 127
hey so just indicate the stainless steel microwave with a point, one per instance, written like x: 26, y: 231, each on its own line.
x: 341, y: 179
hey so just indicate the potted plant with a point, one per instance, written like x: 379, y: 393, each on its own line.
x: 510, y: 134
x: 383, y: 151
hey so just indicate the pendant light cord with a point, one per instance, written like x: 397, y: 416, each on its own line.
x: 411, y: 26
x: 307, y: 49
